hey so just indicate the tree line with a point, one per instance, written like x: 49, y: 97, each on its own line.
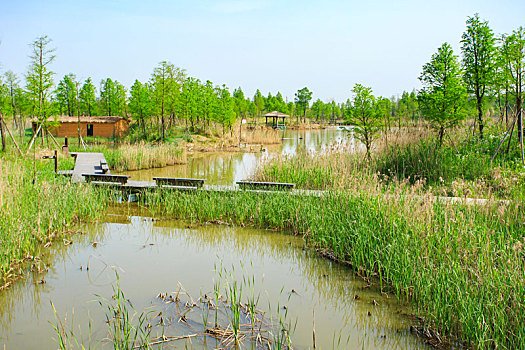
x: 488, y: 79
x: 170, y: 97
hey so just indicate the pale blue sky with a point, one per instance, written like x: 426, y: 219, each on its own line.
x: 272, y: 45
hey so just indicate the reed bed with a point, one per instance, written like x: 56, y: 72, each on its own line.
x: 140, y: 155
x: 37, y: 209
x: 461, y: 266
x: 460, y: 170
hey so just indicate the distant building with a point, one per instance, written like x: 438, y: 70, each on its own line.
x: 89, y: 126
x: 276, y: 118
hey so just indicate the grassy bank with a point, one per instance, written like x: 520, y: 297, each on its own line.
x: 461, y: 267
x: 37, y: 208
x: 461, y: 169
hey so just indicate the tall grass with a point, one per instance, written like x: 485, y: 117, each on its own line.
x: 462, y: 267
x: 140, y: 155
x: 462, y: 169
x: 37, y: 208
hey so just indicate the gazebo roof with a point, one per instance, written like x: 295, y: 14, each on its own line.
x: 276, y: 114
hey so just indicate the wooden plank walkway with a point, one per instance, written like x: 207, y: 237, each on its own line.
x: 87, y: 163
x: 91, y: 163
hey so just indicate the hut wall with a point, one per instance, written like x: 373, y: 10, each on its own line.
x: 106, y: 130
x: 69, y: 130
x: 121, y: 128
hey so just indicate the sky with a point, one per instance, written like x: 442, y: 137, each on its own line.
x: 271, y: 45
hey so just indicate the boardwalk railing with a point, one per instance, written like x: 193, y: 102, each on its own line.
x: 269, y: 186
x: 122, y: 179
x: 173, y: 181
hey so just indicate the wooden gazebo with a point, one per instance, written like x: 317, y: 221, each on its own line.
x: 276, y: 117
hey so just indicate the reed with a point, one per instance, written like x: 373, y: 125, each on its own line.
x: 462, y: 169
x: 37, y: 209
x: 457, y: 264
x: 140, y: 155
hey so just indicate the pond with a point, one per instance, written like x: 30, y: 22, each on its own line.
x: 155, y: 256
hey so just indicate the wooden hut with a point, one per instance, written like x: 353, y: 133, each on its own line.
x: 89, y: 126
x: 277, y: 119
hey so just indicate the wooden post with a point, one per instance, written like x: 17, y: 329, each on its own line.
x: 2, y: 134
x: 56, y: 162
x: 240, y: 130
x: 34, y: 137
x: 65, y: 148
x: 521, y: 137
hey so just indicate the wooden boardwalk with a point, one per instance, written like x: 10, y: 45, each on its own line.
x: 87, y: 163
x: 90, y: 163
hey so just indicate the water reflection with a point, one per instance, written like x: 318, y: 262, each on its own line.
x: 153, y: 255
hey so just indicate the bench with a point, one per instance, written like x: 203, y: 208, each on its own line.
x: 122, y: 179
x: 104, y: 166
x: 268, y: 186
x: 178, y: 182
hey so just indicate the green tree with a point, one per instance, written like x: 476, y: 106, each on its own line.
x: 442, y: 99
x: 241, y: 104
x: 13, y: 107
x: 113, y: 97
x: 210, y: 102
x: 227, y: 112
x: 66, y: 95
x: 120, y: 99
x: 164, y: 84
x: 140, y: 105
x: 191, y: 101
x: 384, y: 112
x: 364, y: 117
x: 258, y: 99
x: 87, y: 97
x: 279, y: 104
x: 39, y: 78
x: 108, y: 93
x: 317, y: 109
x: 302, y: 100
x: 478, y: 47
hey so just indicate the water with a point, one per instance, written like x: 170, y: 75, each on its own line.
x: 154, y: 256
x: 225, y: 168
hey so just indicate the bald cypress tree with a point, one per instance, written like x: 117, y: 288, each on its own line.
x: 479, y: 49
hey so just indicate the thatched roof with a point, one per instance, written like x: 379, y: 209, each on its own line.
x: 276, y: 114
x: 90, y: 120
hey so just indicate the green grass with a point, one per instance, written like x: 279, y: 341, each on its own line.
x: 461, y: 266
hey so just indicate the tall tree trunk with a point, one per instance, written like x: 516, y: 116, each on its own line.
x: 480, y: 117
